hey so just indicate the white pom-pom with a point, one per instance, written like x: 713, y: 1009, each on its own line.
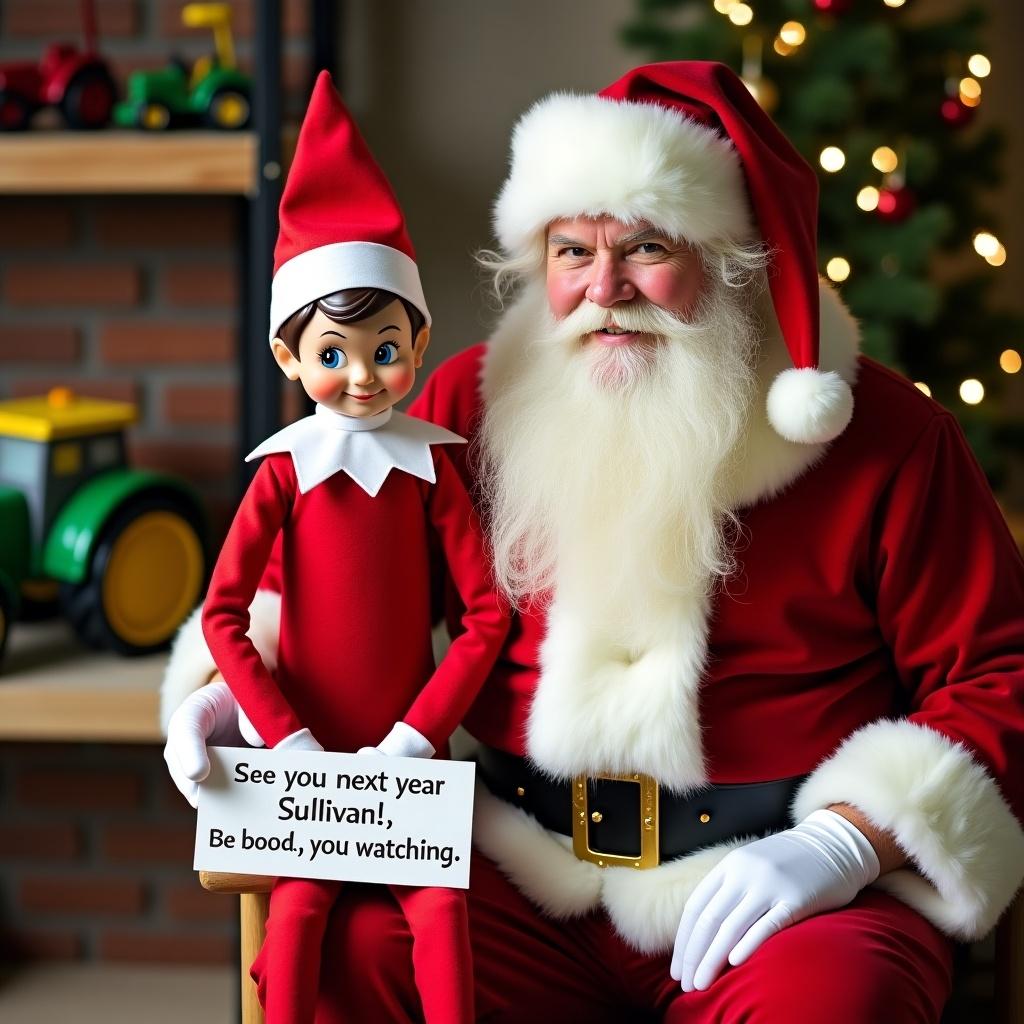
x: 809, y: 406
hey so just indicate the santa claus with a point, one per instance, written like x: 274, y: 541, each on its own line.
x: 754, y: 747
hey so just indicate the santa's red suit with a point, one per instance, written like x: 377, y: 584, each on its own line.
x: 870, y: 640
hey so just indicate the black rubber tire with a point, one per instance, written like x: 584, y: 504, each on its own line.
x: 72, y: 102
x: 82, y: 603
x: 16, y: 111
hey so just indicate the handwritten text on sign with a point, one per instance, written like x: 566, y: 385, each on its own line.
x: 345, y: 816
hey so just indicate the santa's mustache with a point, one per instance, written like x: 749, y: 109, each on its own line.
x: 639, y: 316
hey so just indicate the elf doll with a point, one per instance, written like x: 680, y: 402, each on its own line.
x: 355, y: 494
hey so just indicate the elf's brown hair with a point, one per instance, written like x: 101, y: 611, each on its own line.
x: 348, y: 306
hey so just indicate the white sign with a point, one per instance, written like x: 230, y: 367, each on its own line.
x: 352, y: 817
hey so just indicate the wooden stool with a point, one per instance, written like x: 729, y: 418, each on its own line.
x: 254, y: 893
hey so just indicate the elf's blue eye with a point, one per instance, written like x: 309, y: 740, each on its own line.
x: 386, y: 353
x: 332, y: 358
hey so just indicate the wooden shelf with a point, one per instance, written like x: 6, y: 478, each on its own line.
x: 51, y: 162
x: 53, y: 689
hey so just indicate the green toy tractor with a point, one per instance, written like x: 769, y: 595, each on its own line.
x: 213, y: 93
x: 123, y: 548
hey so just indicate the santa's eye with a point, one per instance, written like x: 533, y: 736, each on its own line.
x: 649, y: 248
x: 386, y: 353
x: 575, y: 252
x: 332, y: 358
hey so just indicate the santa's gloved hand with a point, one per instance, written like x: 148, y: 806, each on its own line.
x: 759, y: 889
x: 301, y: 739
x: 207, y: 717
x: 402, y: 741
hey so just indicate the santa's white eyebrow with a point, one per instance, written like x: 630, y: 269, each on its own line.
x: 641, y: 235
x: 565, y: 240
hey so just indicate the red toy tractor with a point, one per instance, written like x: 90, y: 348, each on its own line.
x: 78, y: 82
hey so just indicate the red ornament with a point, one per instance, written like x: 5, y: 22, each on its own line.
x: 833, y: 6
x: 955, y: 112
x: 895, y: 204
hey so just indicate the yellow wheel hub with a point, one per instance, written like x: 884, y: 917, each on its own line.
x: 230, y: 110
x: 152, y: 578
x: 155, y: 117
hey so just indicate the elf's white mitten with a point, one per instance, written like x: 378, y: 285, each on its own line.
x: 402, y: 741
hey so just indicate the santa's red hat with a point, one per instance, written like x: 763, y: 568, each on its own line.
x: 341, y: 225
x: 684, y: 146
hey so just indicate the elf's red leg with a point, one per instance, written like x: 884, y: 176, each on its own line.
x: 287, y: 968
x: 441, y: 957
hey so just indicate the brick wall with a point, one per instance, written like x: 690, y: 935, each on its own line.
x: 95, y: 860
x: 135, y: 298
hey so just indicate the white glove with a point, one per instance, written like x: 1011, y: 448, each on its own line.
x: 759, y: 889
x: 209, y: 716
x: 301, y: 739
x: 402, y: 741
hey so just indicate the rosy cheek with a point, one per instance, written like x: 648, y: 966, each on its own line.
x: 670, y: 286
x: 564, y: 293
x: 321, y: 388
x: 401, y: 380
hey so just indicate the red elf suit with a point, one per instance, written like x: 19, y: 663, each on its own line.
x: 357, y: 504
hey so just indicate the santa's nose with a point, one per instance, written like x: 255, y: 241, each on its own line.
x: 608, y: 283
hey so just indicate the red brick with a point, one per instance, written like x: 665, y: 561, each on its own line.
x: 165, y: 223
x: 147, y: 342
x: 31, y: 344
x: 166, y: 947
x: 201, y: 284
x: 36, y: 224
x: 81, y: 894
x: 155, y: 844
x: 191, y: 902
x: 72, y: 284
x: 40, y: 842
x: 113, y: 388
x: 84, y: 790
x: 200, y: 404
x: 188, y: 459
x: 63, y: 18
x: 41, y: 944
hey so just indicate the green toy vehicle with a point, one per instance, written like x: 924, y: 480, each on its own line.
x: 124, y: 548
x: 213, y: 93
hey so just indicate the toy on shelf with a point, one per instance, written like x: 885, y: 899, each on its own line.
x: 213, y: 93
x: 124, y: 547
x: 77, y: 82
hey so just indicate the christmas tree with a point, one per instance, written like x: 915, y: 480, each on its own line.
x: 883, y: 105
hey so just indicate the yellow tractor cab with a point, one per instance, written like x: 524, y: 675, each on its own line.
x: 125, y: 547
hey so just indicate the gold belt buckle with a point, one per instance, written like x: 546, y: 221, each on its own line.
x: 648, y: 823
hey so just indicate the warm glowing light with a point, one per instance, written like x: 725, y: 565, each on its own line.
x: 972, y: 391
x: 867, y: 198
x: 971, y: 88
x: 837, y: 269
x: 970, y: 101
x: 741, y: 14
x: 923, y: 388
x: 781, y: 48
x: 998, y: 258
x: 725, y: 6
x: 1010, y: 361
x: 884, y: 159
x: 979, y: 65
x: 986, y: 244
x: 832, y: 158
x: 894, y: 3
x: 792, y: 33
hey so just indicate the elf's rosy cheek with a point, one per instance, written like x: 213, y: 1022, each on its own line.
x: 401, y: 380
x: 322, y: 388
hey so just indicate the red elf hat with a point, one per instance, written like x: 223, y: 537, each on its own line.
x: 341, y: 225
x: 684, y: 146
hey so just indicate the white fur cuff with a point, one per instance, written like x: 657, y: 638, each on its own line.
x: 946, y: 813
x: 191, y: 665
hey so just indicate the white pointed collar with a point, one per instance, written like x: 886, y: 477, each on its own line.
x: 366, y: 448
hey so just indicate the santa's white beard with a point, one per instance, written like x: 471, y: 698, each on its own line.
x: 603, y: 468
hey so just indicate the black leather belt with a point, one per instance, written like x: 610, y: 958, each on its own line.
x: 627, y: 820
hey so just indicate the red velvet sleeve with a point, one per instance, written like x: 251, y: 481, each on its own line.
x: 236, y: 577
x: 442, y: 703
x: 950, y: 593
